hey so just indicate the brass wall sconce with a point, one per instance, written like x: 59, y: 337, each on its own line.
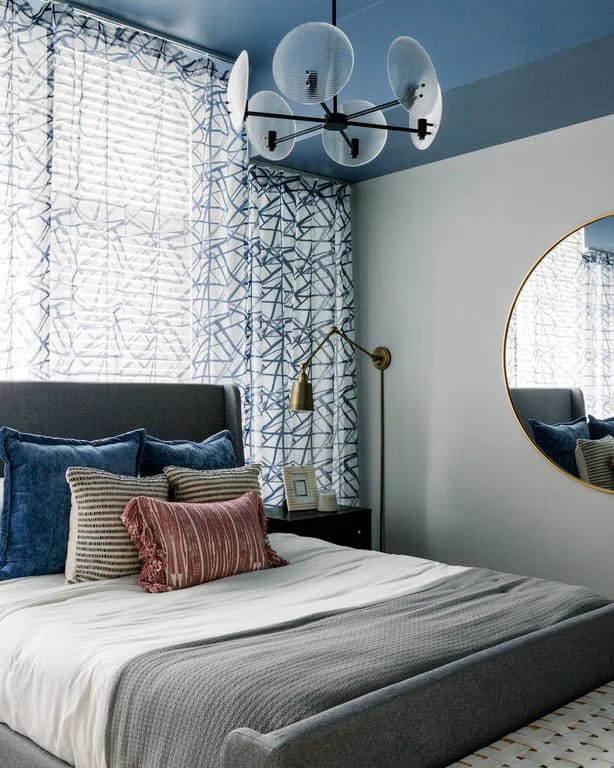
x: 301, y: 399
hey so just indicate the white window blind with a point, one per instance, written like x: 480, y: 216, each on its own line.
x: 120, y: 255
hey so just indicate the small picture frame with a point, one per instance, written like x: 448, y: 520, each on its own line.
x: 301, y: 488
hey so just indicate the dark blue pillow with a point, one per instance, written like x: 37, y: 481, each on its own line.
x: 216, y: 452
x: 600, y: 428
x: 36, y: 509
x: 558, y: 441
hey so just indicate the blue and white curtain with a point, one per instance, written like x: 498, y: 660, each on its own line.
x: 136, y: 245
x: 300, y: 268
x: 25, y: 192
x: 561, y: 333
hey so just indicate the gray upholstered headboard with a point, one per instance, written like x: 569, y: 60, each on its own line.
x: 552, y: 406
x: 90, y: 411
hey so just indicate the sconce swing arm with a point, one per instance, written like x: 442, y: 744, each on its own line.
x: 301, y: 399
x: 380, y: 357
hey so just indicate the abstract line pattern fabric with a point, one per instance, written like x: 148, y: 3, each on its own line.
x: 135, y: 236
x: 300, y: 267
x: 25, y: 151
x: 597, y: 339
x: 120, y: 176
x: 121, y: 207
x: 137, y: 245
x: 561, y: 332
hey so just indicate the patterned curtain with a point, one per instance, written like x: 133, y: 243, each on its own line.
x: 300, y: 284
x: 121, y: 177
x: 597, y: 336
x: 25, y: 154
x: 561, y: 333
x: 133, y: 245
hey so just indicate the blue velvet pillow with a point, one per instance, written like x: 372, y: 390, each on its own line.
x: 36, y: 509
x: 558, y: 441
x: 216, y: 452
x: 600, y: 428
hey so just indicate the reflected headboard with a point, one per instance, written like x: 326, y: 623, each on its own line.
x: 550, y: 405
x: 90, y: 411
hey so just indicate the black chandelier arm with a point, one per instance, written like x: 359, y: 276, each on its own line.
x: 346, y: 138
x: 277, y: 115
x: 330, y: 112
x: 400, y: 128
x: 298, y: 134
x: 370, y: 110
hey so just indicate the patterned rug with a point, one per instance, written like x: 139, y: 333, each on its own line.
x: 578, y: 734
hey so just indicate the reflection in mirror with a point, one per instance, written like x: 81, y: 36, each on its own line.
x: 559, y: 354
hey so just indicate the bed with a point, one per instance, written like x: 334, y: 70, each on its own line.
x: 83, y: 648
x: 549, y: 405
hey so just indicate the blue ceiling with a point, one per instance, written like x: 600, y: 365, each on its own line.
x: 508, y: 68
x: 600, y: 234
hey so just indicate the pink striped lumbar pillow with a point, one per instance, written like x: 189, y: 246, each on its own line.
x: 181, y: 545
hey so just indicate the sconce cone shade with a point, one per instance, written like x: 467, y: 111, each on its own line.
x: 301, y: 397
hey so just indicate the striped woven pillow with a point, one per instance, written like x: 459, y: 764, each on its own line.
x: 203, y: 486
x: 99, y: 546
x: 595, y: 460
x: 181, y: 545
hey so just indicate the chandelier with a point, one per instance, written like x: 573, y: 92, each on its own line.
x: 311, y: 65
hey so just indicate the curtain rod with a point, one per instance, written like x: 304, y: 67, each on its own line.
x: 294, y: 171
x: 119, y: 22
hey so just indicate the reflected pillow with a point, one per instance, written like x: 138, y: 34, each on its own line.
x: 216, y: 452
x: 595, y: 459
x: 36, y: 510
x: 599, y: 428
x: 558, y: 441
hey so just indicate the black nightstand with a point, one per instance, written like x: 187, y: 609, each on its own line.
x: 349, y: 527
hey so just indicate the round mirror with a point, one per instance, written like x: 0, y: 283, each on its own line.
x: 559, y: 354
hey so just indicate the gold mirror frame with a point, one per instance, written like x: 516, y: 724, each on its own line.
x: 504, y: 360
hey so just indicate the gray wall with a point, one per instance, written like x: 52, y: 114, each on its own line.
x: 439, y: 253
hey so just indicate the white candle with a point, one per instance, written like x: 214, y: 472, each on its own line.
x: 327, y: 501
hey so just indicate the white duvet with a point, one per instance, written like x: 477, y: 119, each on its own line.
x: 62, y: 646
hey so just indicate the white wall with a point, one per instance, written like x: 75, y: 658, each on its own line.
x: 439, y: 254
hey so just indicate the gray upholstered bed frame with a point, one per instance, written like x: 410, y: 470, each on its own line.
x: 549, y: 405
x: 90, y: 411
x: 427, y: 721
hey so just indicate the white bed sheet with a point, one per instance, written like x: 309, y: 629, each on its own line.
x: 62, y: 646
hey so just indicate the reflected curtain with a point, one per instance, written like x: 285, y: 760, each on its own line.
x: 561, y: 333
x: 596, y: 342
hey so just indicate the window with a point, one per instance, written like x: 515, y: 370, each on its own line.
x: 120, y: 253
